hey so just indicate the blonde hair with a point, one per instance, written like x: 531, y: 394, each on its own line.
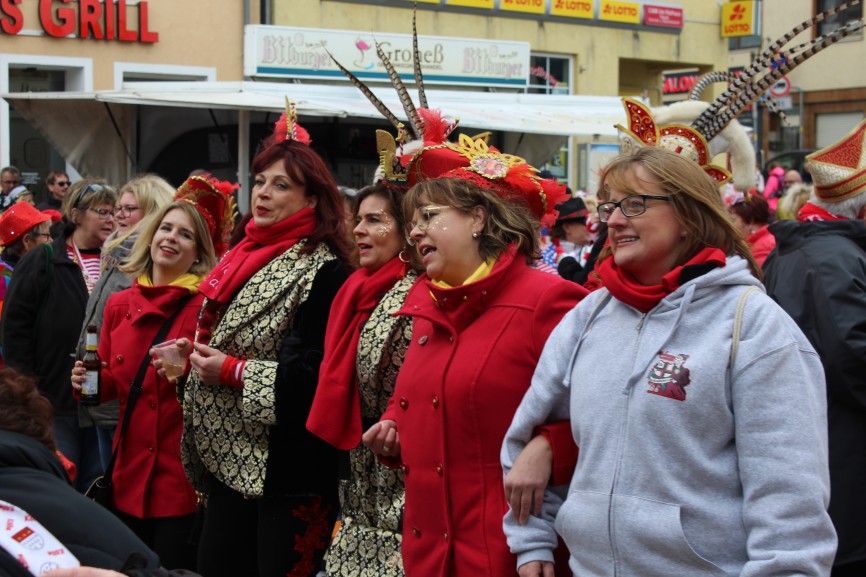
x: 506, y: 222
x: 140, y: 261
x: 695, y: 199
x: 151, y: 192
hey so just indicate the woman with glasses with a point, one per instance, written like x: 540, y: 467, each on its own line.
x: 364, y: 349
x: 481, y: 315
x: 171, y: 256
x: 698, y: 405
x: 44, y: 310
x: 140, y: 197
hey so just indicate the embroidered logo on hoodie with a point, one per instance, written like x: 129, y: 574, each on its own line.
x: 669, y: 377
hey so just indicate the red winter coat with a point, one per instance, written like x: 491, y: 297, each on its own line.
x: 469, y: 364
x: 149, y: 480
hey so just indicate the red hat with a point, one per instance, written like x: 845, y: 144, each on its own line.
x: 213, y: 199
x: 17, y: 220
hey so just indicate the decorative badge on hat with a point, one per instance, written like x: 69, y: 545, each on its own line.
x: 213, y: 199
x: 839, y: 171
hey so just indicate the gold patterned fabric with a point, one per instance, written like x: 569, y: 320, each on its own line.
x: 371, y: 499
x: 226, y: 428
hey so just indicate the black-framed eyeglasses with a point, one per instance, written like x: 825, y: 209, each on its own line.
x: 634, y: 205
x: 103, y: 213
x: 127, y: 208
x: 47, y: 235
x: 94, y: 188
x: 62, y: 183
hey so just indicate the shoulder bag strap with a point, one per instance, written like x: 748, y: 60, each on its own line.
x: 135, y: 387
x: 738, y: 324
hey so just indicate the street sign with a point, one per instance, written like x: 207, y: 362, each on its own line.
x: 784, y: 102
x: 781, y: 88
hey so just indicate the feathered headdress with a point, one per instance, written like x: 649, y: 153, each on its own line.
x: 422, y: 151
x: 704, y: 131
x: 213, y: 199
x: 288, y: 128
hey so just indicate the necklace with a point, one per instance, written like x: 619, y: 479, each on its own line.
x: 89, y: 281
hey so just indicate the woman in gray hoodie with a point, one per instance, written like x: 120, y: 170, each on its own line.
x: 697, y: 404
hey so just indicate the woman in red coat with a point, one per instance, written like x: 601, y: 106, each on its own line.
x: 172, y: 255
x: 481, y: 318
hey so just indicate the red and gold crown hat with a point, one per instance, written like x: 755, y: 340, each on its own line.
x: 472, y: 159
x: 213, y: 199
x: 839, y: 171
x: 19, y: 219
x: 682, y: 139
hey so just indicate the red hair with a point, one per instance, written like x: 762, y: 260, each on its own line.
x: 304, y: 166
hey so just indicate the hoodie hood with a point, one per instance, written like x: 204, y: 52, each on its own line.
x: 791, y: 234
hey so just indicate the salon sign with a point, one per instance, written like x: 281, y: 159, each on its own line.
x: 291, y: 52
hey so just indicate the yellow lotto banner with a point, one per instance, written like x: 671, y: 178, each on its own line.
x: 471, y: 3
x: 738, y: 19
x: 614, y: 11
x: 531, y: 6
x: 573, y: 8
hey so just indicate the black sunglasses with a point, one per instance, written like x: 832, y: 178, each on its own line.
x: 94, y: 188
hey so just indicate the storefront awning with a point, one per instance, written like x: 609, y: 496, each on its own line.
x: 92, y: 130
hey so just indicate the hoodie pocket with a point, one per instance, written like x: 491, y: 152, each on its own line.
x: 649, y: 540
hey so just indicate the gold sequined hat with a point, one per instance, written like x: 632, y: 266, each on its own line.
x: 839, y: 171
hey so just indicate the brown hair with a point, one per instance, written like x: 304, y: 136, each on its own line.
x: 507, y: 222
x: 695, y: 199
x: 753, y: 209
x: 24, y: 410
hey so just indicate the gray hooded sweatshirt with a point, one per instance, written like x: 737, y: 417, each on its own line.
x: 686, y: 467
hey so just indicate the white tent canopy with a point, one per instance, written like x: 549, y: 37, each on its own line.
x: 93, y: 130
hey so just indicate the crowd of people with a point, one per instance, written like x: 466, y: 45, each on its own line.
x: 461, y: 369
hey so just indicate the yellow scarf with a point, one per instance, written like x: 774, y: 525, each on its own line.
x: 187, y: 281
x: 482, y: 271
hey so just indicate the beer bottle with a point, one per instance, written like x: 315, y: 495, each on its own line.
x: 90, y: 388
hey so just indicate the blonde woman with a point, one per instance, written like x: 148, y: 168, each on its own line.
x: 138, y: 198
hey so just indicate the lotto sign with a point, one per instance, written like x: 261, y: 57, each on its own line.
x: 471, y: 3
x: 531, y: 6
x: 573, y: 8
x: 739, y: 18
x: 614, y: 11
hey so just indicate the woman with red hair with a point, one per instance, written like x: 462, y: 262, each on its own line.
x: 255, y: 363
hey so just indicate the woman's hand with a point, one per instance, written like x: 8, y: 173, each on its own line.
x: 78, y: 375
x: 207, y: 362
x: 527, y: 479
x: 533, y: 569
x: 184, y: 348
x: 382, y: 439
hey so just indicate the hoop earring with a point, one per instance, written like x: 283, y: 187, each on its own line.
x: 403, y: 258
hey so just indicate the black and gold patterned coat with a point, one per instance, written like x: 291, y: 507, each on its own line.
x: 253, y: 439
x: 372, y: 495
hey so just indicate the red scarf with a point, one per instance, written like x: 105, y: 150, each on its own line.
x: 336, y: 412
x: 813, y: 213
x: 261, y: 246
x: 625, y: 288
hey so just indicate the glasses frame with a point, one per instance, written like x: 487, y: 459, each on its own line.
x: 103, y: 213
x: 423, y: 226
x: 126, y: 209
x: 62, y: 183
x: 45, y: 234
x: 602, y: 207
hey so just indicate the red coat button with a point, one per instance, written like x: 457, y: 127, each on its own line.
x: 150, y: 448
x: 439, y: 470
x: 128, y: 315
x: 416, y: 531
x: 445, y: 536
x: 404, y: 403
x: 119, y: 358
x: 152, y: 405
x: 435, y: 402
x: 422, y: 340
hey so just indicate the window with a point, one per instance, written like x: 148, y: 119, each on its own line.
x: 836, y: 20
x: 549, y: 75
x: 744, y: 42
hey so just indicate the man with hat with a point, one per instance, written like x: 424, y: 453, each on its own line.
x: 22, y: 228
x: 570, y: 227
x: 817, y: 273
